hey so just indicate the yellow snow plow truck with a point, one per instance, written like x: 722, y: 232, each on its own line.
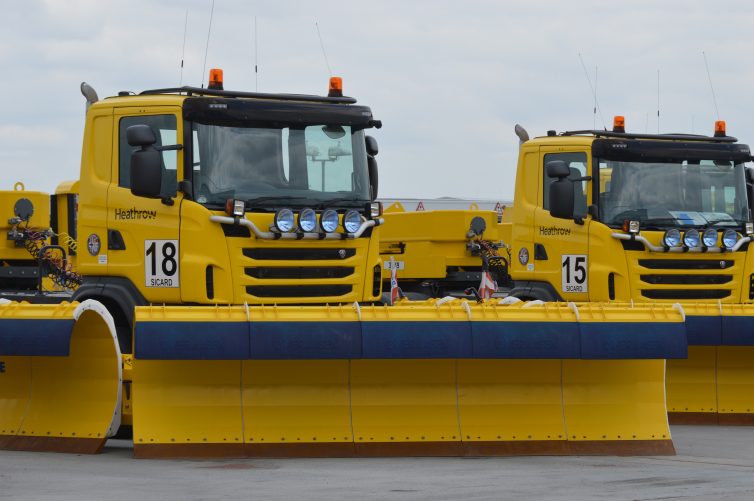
x: 230, y: 304
x: 616, y: 216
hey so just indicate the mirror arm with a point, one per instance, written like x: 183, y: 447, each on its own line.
x: 172, y: 147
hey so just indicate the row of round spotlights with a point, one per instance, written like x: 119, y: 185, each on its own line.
x: 285, y: 221
x: 692, y: 239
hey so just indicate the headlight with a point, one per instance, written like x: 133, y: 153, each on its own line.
x: 709, y: 237
x: 351, y: 221
x: 672, y: 238
x: 328, y: 221
x: 730, y: 237
x: 307, y: 220
x: 284, y: 220
x: 235, y: 208
x: 691, y: 238
x: 375, y: 209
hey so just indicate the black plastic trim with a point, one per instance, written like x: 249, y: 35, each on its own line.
x: 235, y: 231
x: 54, y: 225
x: 686, y: 264
x: 535, y: 290
x: 299, y: 272
x: 209, y: 281
x: 290, y: 254
x: 115, y: 240
x: 72, y: 227
x: 298, y: 290
x: 540, y: 253
x: 686, y: 279
x: 255, y: 95
x: 685, y: 294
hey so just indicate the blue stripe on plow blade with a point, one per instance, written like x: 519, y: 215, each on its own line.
x: 35, y: 337
x: 408, y: 340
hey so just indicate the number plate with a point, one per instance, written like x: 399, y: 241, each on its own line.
x: 574, y: 273
x: 161, y: 261
x: 394, y: 265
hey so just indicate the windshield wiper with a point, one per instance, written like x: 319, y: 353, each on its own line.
x: 715, y: 222
x: 329, y: 203
x: 654, y: 222
x: 254, y: 202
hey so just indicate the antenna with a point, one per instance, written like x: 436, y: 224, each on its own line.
x: 709, y: 77
x: 206, y: 48
x: 596, y: 74
x: 594, y: 92
x: 658, y: 101
x: 324, y: 53
x: 183, y: 51
x: 256, y: 57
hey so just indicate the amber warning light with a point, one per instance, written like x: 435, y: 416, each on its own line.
x: 215, y: 79
x: 720, y: 128
x: 336, y: 87
x: 619, y: 124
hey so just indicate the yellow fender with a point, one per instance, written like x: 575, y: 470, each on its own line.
x: 417, y: 379
x: 60, y: 377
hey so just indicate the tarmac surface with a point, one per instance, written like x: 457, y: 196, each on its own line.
x: 712, y: 463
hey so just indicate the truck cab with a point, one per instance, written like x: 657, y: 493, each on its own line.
x: 609, y: 215
x: 207, y: 196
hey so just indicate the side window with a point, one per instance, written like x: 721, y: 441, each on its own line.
x: 577, y: 163
x: 164, y: 127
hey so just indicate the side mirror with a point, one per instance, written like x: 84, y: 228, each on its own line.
x: 140, y: 135
x: 372, y: 148
x: 558, y: 169
x: 373, y: 176
x: 561, y: 197
x: 146, y: 162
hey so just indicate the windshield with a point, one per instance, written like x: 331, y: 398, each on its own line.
x: 267, y: 167
x: 688, y: 193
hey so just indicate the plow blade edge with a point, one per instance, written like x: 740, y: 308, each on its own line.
x: 415, y: 379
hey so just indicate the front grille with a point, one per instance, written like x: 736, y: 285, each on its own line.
x: 293, y: 254
x: 686, y: 279
x: 302, y: 291
x: 686, y: 264
x: 295, y: 272
x: 685, y: 294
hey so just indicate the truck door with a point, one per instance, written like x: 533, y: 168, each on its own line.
x: 560, y: 255
x: 142, y: 238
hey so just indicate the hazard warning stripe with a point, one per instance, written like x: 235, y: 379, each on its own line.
x: 168, y: 340
x: 35, y: 337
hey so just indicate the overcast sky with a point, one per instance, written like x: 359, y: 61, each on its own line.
x: 448, y: 79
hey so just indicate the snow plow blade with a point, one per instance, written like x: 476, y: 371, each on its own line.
x: 715, y: 385
x: 60, y: 377
x: 416, y: 379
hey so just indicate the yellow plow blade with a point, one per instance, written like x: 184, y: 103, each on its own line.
x: 60, y: 377
x: 415, y: 379
x: 716, y: 383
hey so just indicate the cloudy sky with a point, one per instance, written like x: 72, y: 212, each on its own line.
x: 448, y: 79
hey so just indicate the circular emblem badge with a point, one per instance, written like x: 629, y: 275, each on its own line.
x: 523, y: 255
x: 722, y: 264
x: 342, y: 253
x: 93, y: 244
